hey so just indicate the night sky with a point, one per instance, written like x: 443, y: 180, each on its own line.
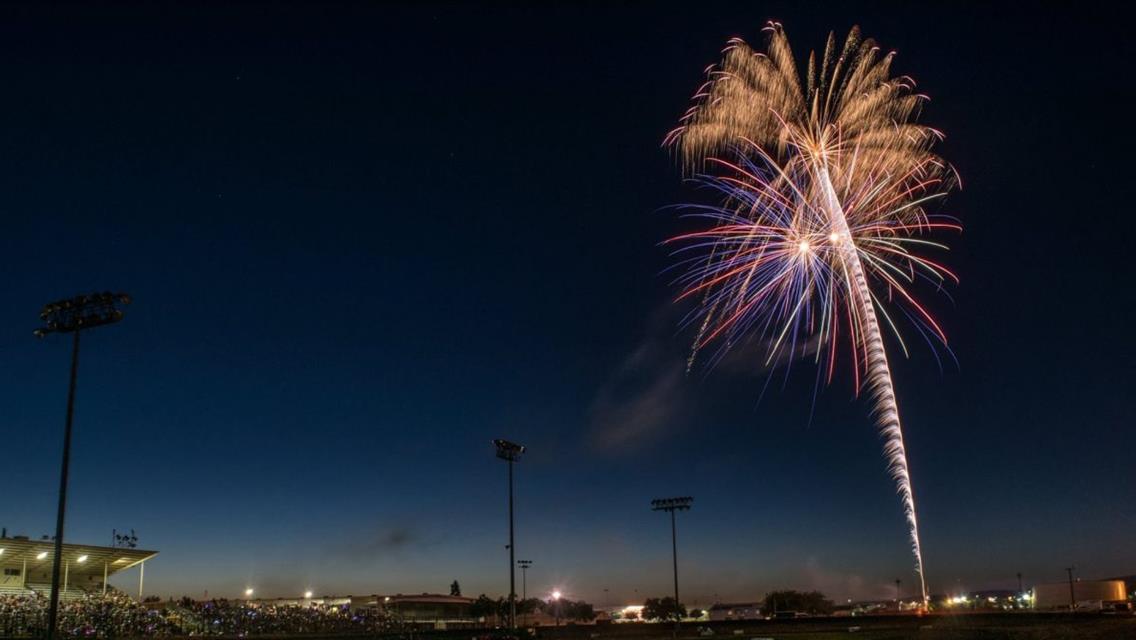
x: 363, y: 242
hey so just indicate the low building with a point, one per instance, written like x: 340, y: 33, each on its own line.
x: 1081, y: 594
x: 735, y: 611
x: 427, y: 607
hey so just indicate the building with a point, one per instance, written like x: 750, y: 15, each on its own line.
x: 27, y: 565
x: 426, y: 607
x: 1081, y: 594
x: 735, y: 611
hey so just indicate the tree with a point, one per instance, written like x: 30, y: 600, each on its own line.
x: 808, y: 602
x: 529, y: 605
x: 696, y: 613
x: 568, y: 609
x: 579, y: 610
x: 663, y: 609
x: 455, y: 589
x: 484, y: 607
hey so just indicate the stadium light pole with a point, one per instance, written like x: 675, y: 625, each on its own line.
x: 671, y: 505
x: 524, y: 565
x: 1072, y: 597
x: 511, y: 452
x: 72, y: 315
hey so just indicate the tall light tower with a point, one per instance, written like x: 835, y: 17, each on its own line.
x: 672, y: 505
x: 1072, y: 594
x: 524, y: 565
x: 511, y: 452
x: 72, y: 316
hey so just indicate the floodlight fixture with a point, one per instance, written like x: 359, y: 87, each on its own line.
x: 510, y: 451
x: 81, y: 312
x: 672, y: 504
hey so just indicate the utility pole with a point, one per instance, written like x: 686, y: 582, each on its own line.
x: 1020, y: 589
x: 671, y: 505
x: 1072, y: 597
x: 511, y: 452
x: 72, y: 315
x: 897, y: 594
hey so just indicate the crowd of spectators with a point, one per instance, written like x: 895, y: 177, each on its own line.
x: 114, y: 615
x: 230, y: 617
x: 119, y: 616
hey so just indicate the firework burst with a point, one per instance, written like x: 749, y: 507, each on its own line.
x: 822, y: 225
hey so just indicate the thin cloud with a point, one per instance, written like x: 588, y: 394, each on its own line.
x: 376, y: 545
x: 651, y: 393
x: 646, y: 395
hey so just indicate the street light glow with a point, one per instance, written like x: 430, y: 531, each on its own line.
x: 308, y: 595
x: 556, y: 595
x: 41, y: 555
x: 81, y: 559
x: 248, y: 592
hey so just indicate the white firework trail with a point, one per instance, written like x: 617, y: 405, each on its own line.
x: 878, y: 372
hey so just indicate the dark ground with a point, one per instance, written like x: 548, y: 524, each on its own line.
x: 990, y: 626
x: 1015, y: 626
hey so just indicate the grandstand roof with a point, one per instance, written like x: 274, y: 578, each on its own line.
x: 427, y: 598
x: 82, y: 559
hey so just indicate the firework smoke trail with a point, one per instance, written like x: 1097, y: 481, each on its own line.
x: 825, y: 200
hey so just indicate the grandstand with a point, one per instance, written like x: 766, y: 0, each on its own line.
x: 26, y: 565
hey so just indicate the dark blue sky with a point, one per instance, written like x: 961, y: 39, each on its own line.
x: 365, y: 241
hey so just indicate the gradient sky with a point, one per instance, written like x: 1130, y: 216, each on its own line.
x: 363, y: 242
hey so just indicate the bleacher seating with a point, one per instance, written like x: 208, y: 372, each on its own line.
x: 16, y: 589
x: 65, y: 595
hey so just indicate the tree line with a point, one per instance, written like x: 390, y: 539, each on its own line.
x: 654, y: 609
x: 567, y: 610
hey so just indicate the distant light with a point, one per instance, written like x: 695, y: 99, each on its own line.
x: 308, y: 594
x: 41, y: 555
x: 81, y: 559
x: 387, y: 599
x: 248, y: 592
x: 555, y: 595
x: 1, y: 551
